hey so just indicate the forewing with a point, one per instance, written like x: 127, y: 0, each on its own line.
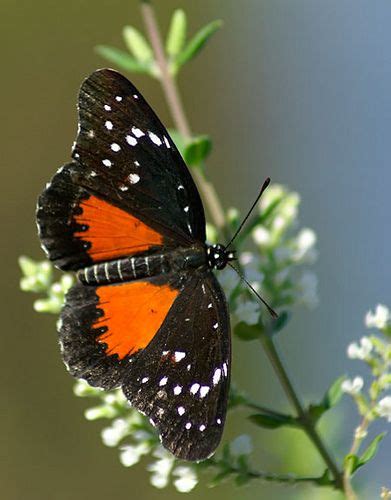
x: 127, y: 191
x: 135, y: 161
x: 181, y: 380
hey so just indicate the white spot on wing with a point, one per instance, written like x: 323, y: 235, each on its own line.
x: 137, y: 132
x: 163, y: 381
x: 179, y: 355
x: 106, y: 163
x: 177, y: 390
x: 144, y: 380
x: 107, y: 107
x: 204, y: 391
x: 155, y: 139
x: 109, y: 125
x: 181, y: 410
x: 210, y: 305
x: 202, y: 427
x: 194, y: 388
x: 166, y: 142
x: 180, y: 187
x: 218, y: 421
x: 115, y: 147
x: 186, y: 209
x: 188, y: 425
x: 136, y: 163
x: 132, y: 141
x: 215, y: 326
x: 90, y: 134
x: 135, y: 96
x: 123, y: 188
x: 133, y: 178
x: 118, y: 98
x: 216, y: 376
x: 225, y: 368
x: 93, y: 174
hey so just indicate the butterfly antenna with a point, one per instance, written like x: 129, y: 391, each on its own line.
x: 265, y: 185
x: 272, y: 312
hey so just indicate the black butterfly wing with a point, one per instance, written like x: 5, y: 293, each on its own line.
x: 123, y: 158
x: 181, y: 380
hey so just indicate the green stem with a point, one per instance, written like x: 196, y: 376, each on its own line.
x: 267, y: 476
x: 175, y: 105
x: 305, y: 420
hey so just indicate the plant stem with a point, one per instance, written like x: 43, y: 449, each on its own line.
x: 266, y: 476
x: 174, y: 102
x: 217, y: 214
x: 359, y: 435
x: 305, y: 420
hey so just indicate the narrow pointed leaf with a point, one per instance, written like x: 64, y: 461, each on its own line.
x: 334, y: 393
x: 197, y: 150
x: 195, y: 45
x: 177, y: 33
x: 272, y: 421
x: 122, y: 59
x: 137, y: 45
x: 371, y: 451
x: 247, y: 332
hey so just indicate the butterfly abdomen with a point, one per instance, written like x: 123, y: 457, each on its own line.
x: 144, y: 266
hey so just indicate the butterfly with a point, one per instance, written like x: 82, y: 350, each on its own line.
x: 147, y: 313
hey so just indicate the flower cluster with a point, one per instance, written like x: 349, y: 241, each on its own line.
x: 278, y: 267
x: 134, y: 435
x: 375, y: 351
x: 374, y: 402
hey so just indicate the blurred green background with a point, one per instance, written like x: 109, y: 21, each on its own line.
x: 295, y: 89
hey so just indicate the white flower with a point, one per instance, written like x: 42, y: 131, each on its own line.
x: 161, y: 469
x: 362, y: 351
x: 228, y: 280
x: 273, y: 192
x: 384, y: 408
x: 247, y: 310
x: 112, y: 435
x: 130, y: 454
x: 380, y: 319
x: 352, y: 386
x: 261, y: 236
x: 307, y: 289
x: 305, y: 242
x: 187, y: 478
x: 241, y: 445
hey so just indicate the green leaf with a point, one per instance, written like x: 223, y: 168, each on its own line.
x: 247, y: 332
x: 325, y: 479
x: 281, y: 321
x: 177, y: 33
x: 353, y: 462
x: 242, y: 479
x: 197, y: 150
x: 122, y: 59
x: 218, y: 478
x: 330, y: 399
x: 195, y: 45
x: 371, y: 451
x: 334, y: 393
x: 137, y: 45
x: 178, y: 140
x: 272, y: 421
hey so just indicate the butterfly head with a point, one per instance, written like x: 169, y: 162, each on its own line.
x: 218, y: 256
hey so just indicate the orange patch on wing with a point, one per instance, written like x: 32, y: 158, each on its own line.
x: 113, y: 232
x: 133, y: 313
